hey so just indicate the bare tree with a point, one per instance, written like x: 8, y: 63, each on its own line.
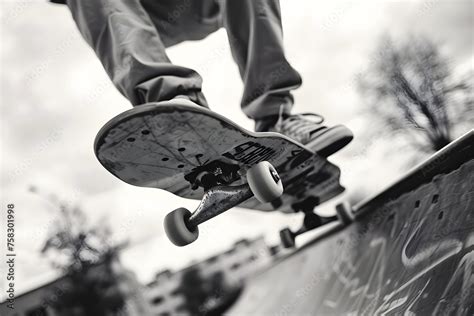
x: 88, y: 257
x: 412, y: 88
x: 210, y: 296
x: 78, y: 244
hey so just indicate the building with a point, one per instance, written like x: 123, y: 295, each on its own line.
x: 164, y: 295
x: 40, y: 301
x: 233, y: 266
x: 36, y: 302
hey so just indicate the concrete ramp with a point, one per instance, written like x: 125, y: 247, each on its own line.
x: 410, y: 252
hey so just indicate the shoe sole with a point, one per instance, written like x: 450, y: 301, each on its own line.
x: 331, y: 140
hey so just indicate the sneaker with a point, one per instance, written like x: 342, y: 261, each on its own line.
x: 307, y: 129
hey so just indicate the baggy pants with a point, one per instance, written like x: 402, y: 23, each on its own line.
x: 130, y: 37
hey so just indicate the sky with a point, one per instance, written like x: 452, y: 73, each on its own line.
x: 55, y: 96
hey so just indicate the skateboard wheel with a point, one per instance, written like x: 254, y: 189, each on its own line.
x: 287, y: 238
x: 177, y: 229
x: 344, y: 213
x: 264, y: 182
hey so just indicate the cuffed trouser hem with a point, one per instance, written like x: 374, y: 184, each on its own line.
x: 259, y: 110
x: 126, y: 39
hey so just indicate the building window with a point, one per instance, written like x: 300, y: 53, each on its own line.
x: 230, y: 251
x: 39, y: 311
x: 157, y: 300
x: 235, y: 266
x: 212, y: 259
x: 176, y: 292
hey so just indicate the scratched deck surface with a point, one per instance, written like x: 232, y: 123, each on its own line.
x: 159, y: 145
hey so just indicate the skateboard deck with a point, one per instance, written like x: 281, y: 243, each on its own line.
x: 170, y: 145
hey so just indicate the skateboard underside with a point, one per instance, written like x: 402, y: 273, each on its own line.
x: 185, y: 150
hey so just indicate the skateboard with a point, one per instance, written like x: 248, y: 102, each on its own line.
x: 344, y: 214
x: 198, y: 154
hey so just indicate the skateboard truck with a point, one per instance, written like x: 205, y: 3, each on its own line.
x: 213, y: 174
x: 312, y: 221
x: 263, y: 182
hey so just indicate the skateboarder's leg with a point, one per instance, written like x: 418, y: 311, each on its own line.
x: 256, y: 38
x: 132, y: 51
x: 183, y: 20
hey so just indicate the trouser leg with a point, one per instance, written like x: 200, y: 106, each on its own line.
x: 256, y: 38
x: 132, y: 52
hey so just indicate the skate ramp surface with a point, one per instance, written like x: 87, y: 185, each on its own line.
x: 409, y: 252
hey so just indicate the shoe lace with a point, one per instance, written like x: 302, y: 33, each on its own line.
x: 298, y: 126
